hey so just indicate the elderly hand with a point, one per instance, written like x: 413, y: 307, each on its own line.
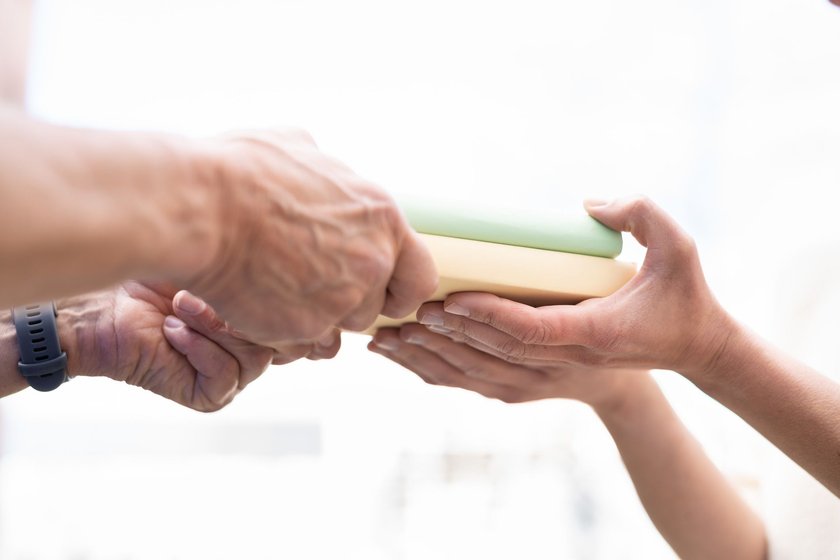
x: 440, y: 359
x: 307, y: 244
x: 664, y: 318
x: 182, y: 352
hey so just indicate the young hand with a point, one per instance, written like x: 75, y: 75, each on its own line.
x: 664, y: 318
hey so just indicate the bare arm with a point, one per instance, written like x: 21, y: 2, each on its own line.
x: 692, y: 505
x: 791, y: 404
x: 84, y: 209
x: 695, y: 509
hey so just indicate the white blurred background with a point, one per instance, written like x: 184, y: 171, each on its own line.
x: 726, y: 112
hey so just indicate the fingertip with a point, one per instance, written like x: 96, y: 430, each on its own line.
x: 595, y: 204
x: 198, y: 315
x: 465, y: 303
x: 453, y: 307
x: 188, y: 303
x: 386, y: 340
x: 178, y: 334
x: 431, y: 307
x: 413, y: 333
x: 173, y: 323
x: 378, y: 349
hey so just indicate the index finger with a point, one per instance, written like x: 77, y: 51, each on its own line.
x: 550, y: 325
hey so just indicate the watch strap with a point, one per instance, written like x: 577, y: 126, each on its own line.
x: 42, y: 361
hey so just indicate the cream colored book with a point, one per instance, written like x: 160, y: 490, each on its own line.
x: 524, y: 274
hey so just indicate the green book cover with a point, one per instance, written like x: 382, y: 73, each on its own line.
x: 537, y: 228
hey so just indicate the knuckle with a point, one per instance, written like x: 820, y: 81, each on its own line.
x: 357, y: 322
x: 371, y: 269
x: 684, y: 246
x: 537, y: 333
x: 297, y: 133
x: 383, y: 211
x: 457, y: 326
x: 455, y: 336
x: 214, y: 323
x: 489, y: 318
x: 512, y: 350
x: 640, y: 205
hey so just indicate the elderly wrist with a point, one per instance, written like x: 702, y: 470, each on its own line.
x: 85, y: 329
x: 193, y: 208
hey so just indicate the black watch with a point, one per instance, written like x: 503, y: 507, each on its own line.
x: 42, y: 362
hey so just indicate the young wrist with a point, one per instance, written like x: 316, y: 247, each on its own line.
x: 630, y: 395
x: 713, y: 349
x: 732, y: 355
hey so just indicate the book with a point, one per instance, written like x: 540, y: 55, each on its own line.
x: 537, y: 228
x: 525, y: 274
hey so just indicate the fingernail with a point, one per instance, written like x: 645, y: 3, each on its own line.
x: 594, y: 203
x: 172, y: 322
x: 387, y: 344
x: 190, y: 304
x: 430, y: 318
x: 415, y: 338
x: 456, y: 309
x: 439, y: 330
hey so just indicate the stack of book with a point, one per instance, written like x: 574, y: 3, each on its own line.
x: 534, y: 257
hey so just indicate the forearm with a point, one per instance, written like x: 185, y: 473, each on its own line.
x: 83, y: 209
x: 692, y: 505
x: 791, y: 404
